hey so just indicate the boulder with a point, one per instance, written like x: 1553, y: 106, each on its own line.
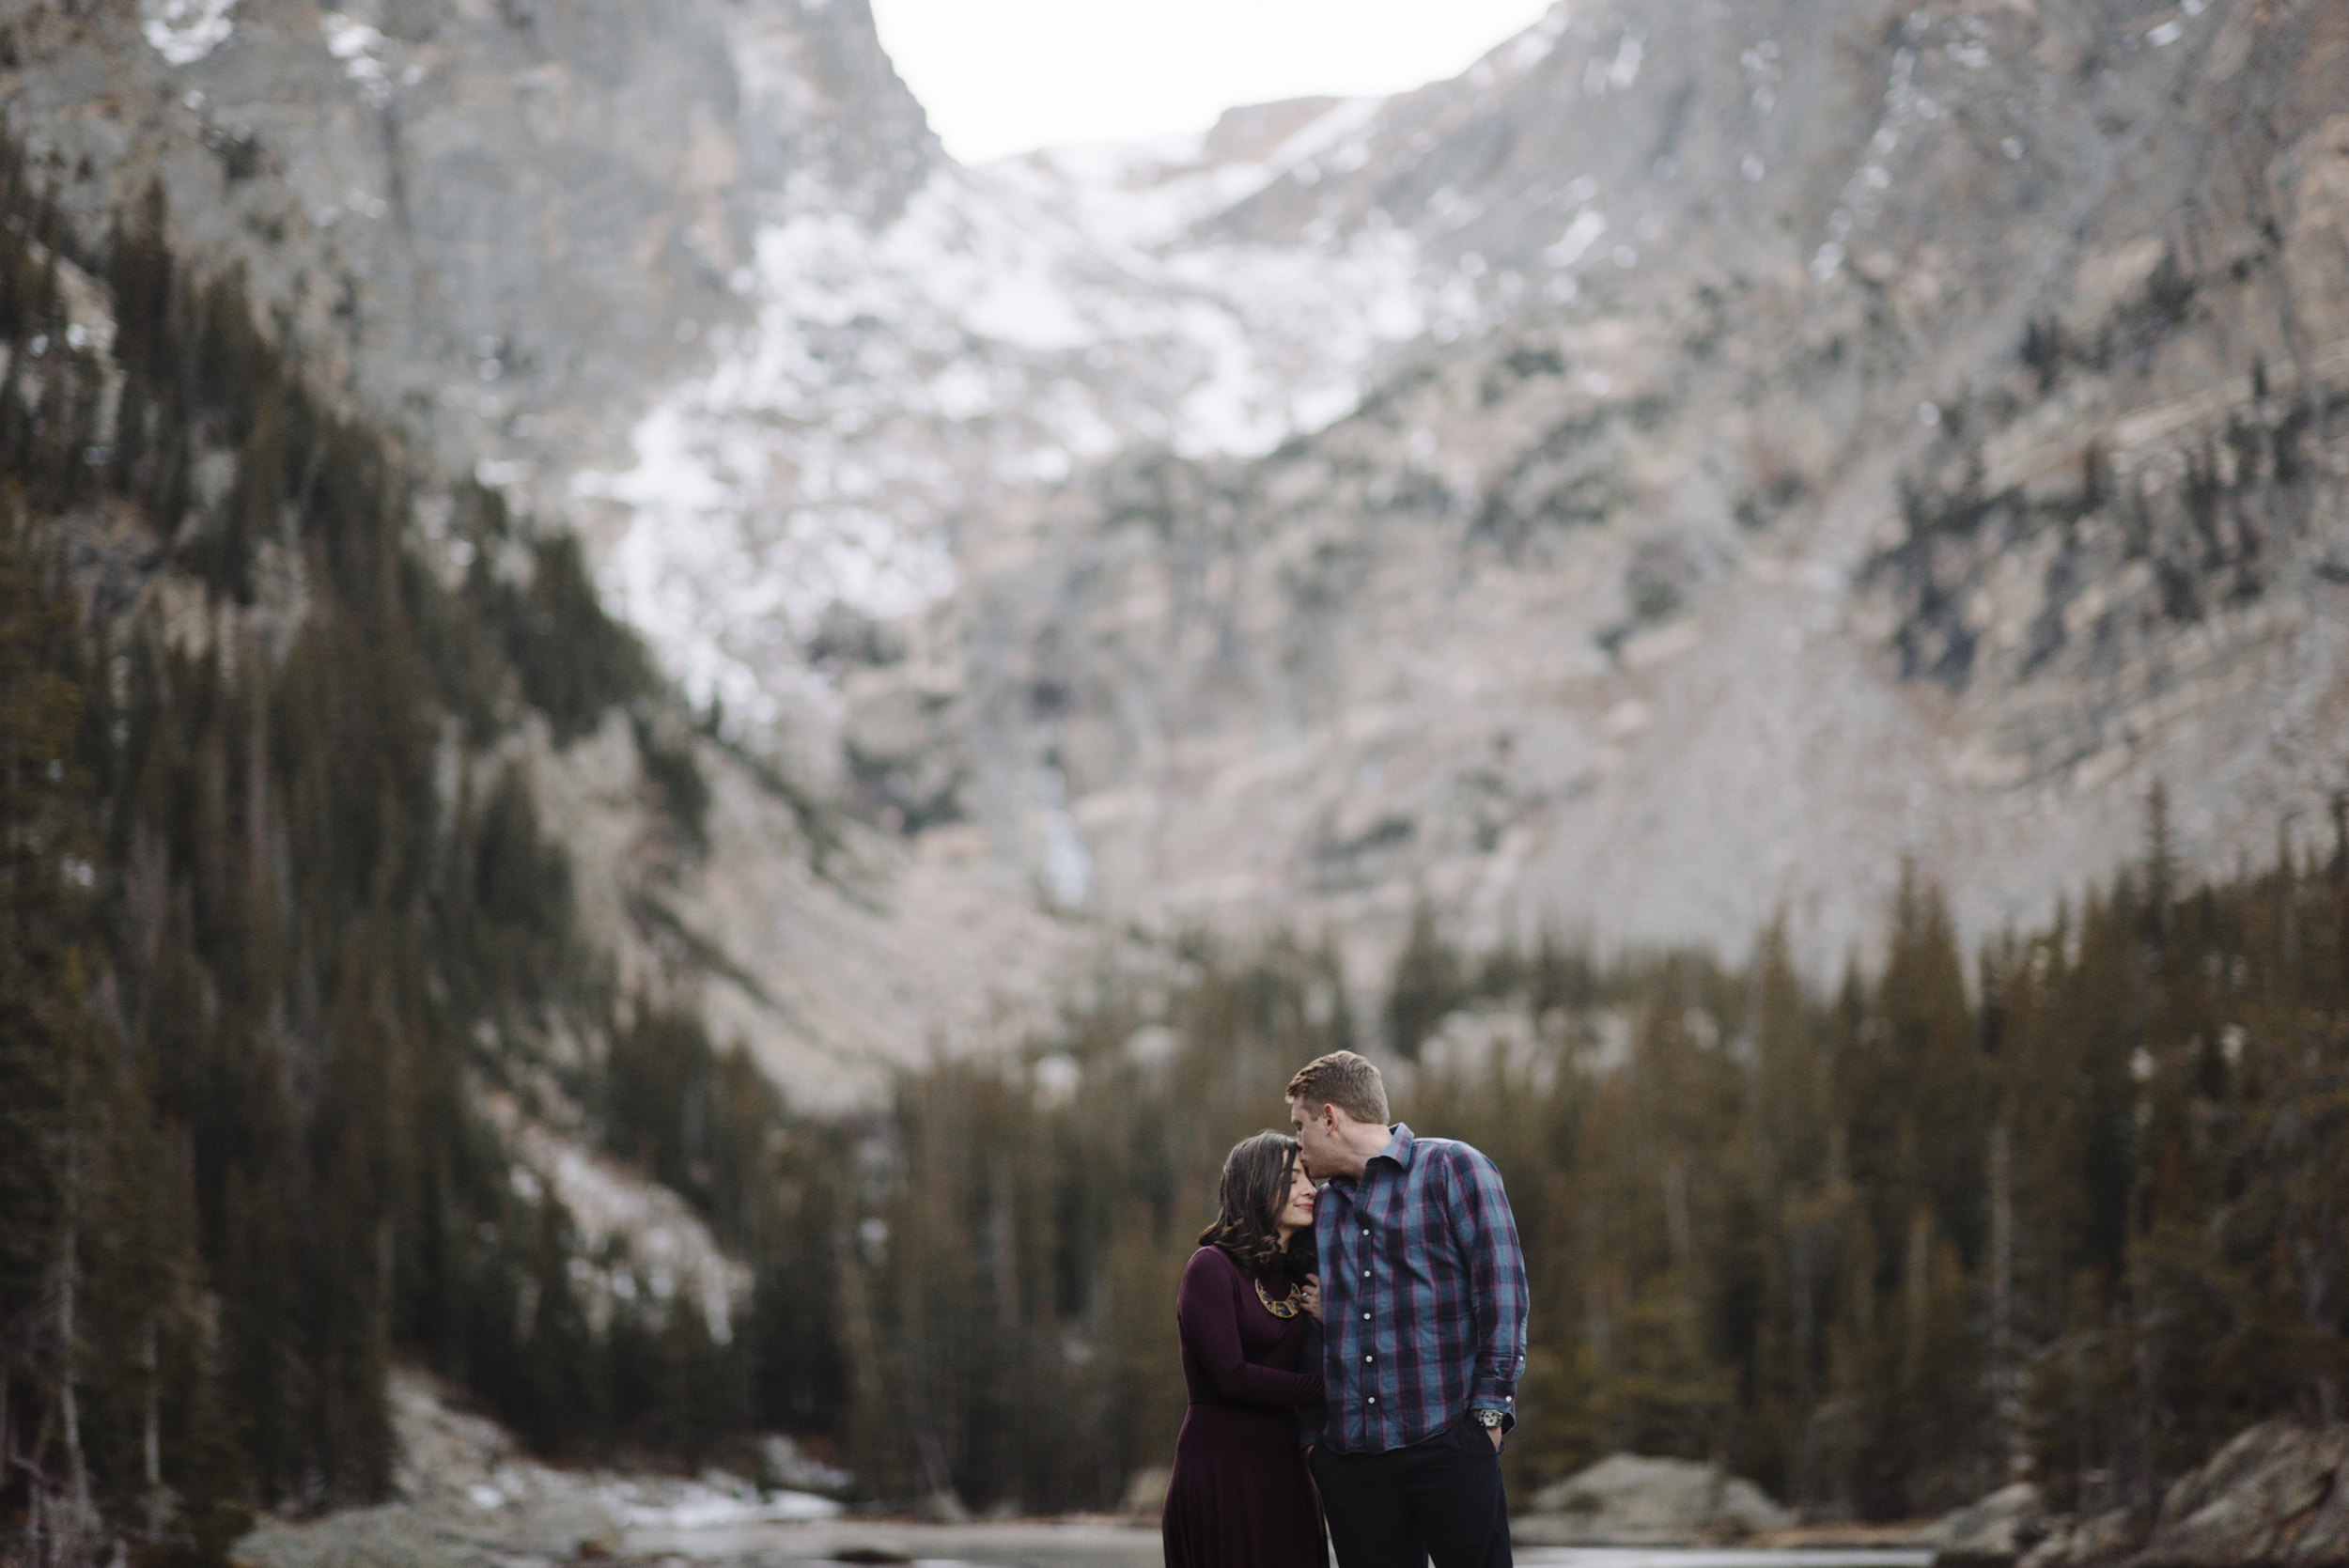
x: 395, y: 1535
x: 2101, y: 1538
x: 2278, y: 1494
x: 1991, y: 1533
x: 782, y: 1463
x: 1631, y: 1498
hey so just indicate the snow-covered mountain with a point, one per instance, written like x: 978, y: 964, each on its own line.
x: 1656, y: 480
x: 902, y: 382
x: 1858, y: 437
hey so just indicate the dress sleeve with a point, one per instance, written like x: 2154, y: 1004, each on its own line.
x: 1206, y: 1314
x: 1312, y: 1418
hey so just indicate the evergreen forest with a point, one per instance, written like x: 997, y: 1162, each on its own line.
x: 281, y: 923
x: 282, y: 927
x: 2069, y: 1206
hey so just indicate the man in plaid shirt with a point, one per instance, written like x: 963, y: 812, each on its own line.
x: 1422, y: 1309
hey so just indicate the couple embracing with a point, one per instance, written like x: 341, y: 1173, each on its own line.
x: 1350, y: 1352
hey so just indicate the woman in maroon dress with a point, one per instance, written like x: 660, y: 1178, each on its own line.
x: 1240, y: 1496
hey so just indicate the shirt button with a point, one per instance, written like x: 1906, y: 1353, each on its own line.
x: 1366, y: 1317
x: 1370, y: 1357
x: 1374, y: 1399
x: 1366, y: 1273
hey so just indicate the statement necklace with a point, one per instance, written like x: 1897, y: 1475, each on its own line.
x: 1288, y: 1306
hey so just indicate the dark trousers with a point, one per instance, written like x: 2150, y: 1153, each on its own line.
x: 1439, y: 1498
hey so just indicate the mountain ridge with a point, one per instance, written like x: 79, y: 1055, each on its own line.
x: 1685, y: 482
x: 1672, y: 336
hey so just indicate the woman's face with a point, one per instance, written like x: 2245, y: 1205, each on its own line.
x: 1297, y: 1210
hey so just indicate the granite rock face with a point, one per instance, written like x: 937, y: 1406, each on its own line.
x: 508, y: 226
x: 1861, y: 437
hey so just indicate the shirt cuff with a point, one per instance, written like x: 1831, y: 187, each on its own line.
x: 1486, y: 1396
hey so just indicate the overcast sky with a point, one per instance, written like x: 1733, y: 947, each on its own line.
x: 1002, y: 76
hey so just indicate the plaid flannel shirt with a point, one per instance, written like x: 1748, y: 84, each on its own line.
x: 1423, y: 1294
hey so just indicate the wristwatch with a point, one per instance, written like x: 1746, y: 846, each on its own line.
x: 1488, y: 1420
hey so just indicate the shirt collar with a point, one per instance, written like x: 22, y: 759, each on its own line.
x: 1399, y: 1147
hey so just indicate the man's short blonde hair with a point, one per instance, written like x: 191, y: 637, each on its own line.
x: 1345, y: 1080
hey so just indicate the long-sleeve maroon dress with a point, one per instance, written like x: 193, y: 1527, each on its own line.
x: 1240, y: 1496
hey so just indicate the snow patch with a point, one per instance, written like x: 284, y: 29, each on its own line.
x: 356, y: 47
x: 1863, y: 197
x: 1146, y: 195
x: 714, y: 1502
x: 648, y: 1229
x: 1601, y: 75
x: 1013, y: 323
x: 1579, y: 237
x: 1067, y: 865
x: 184, y: 31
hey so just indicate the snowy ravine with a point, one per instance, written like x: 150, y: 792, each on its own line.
x: 903, y: 385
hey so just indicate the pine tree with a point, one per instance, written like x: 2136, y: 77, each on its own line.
x: 48, y: 1044
x: 1428, y: 985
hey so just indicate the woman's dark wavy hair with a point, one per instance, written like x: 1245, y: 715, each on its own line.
x: 1256, y: 1177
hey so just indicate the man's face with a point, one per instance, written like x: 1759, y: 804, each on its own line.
x: 1316, y: 1138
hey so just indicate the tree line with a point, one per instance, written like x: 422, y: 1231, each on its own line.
x: 277, y: 919
x: 2069, y: 1206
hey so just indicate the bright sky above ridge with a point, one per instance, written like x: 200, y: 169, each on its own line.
x: 1003, y: 76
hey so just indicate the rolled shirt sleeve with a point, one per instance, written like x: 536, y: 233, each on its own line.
x: 1488, y: 1235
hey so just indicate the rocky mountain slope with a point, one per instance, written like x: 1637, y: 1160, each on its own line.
x: 1882, y: 433
x: 507, y: 231
x: 509, y: 224
x: 1656, y: 480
